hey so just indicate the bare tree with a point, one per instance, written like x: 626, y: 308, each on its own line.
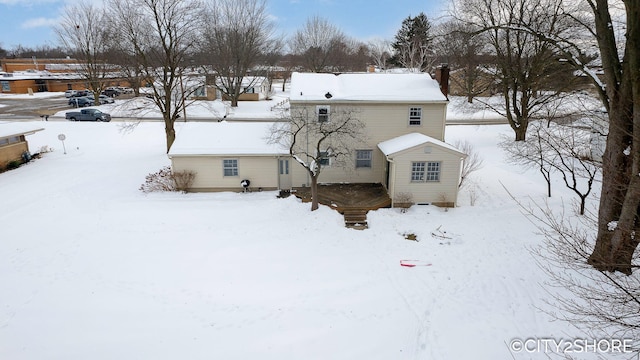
x: 604, y: 304
x: 159, y: 35
x: 524, y: 63
x: 380, y: 52
x: 315, y: 143
x: 82, y: 32
x: 560, y: 149
x: 620, y: 92
x: 615, y: 27
x: 236, y: 33
x: 532, y: 153
x: 127, y: 67
x: 471, y: 164
x: 317, y: 43
x: 462, y: 47
x: 41, y: 51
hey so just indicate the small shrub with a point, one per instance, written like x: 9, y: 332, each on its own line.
x: 13, y: 164
x: 183, y: 179
x: 404, y: 201
x: 166, y: 180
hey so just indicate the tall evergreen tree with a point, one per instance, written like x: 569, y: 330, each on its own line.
x: 413, y: 43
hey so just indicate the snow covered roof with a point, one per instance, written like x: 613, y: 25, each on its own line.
x: 225, y: 138
x: 410, y: 87
x: 408, y: 141
x: 10, y: 129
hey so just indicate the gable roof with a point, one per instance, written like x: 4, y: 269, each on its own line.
x: 225, y: 138
x: 406, y: 87
x: 405, y: 142
x: 11, y: 129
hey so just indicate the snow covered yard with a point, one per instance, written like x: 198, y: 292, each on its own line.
x: 92, y: 268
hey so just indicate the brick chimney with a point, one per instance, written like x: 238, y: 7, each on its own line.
x: 442, y: 77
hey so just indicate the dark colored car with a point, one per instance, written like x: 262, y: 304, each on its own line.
x: 110, y: 92
x: 81, y: 93
x: 81, y: 101
x: 88, y: 115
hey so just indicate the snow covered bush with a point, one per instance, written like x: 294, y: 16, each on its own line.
x: 166, y: 180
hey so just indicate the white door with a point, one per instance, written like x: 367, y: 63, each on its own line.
x: 284, y: 178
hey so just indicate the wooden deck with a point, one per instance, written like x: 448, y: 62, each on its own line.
x: 351, y: 200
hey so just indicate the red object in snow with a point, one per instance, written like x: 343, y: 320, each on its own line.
x: 412, y: 263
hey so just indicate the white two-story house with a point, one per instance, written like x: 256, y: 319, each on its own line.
x: 402, y: 145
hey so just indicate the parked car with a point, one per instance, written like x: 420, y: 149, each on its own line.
x: 81, y: 101
x: 88, y: 115
x: 125, y: 90
x: 81, y: 93
x: 69, y: 93
x: 111, y: 92
x: 104, y: 99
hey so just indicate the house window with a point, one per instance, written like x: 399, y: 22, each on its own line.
x: 422, y: 171
x: 417, y: 171
x: 363, y: 158
x: 323, y: 113
x: 415, y: 116
x: 10, y: 140
x: 324, y: 159
x: 284, y: 167
x: 5, y: 86
x: 433, y: 171
x: 230, y: 167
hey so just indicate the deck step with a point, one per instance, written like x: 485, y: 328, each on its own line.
x: 356, y: 219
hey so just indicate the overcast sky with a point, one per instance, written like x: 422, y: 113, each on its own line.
x: 29, y: 22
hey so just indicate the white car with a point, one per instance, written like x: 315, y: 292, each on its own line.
x: 70, y: 93
x: 104, y: 99
x: 125, y: 90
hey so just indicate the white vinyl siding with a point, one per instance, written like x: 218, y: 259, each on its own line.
x: 383, y: 121
x: 261, y: 171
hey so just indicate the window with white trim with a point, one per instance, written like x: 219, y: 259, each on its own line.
x: 415, y: 116
x: 324, y: 159
x: 433, y: 171
x: 417, y: 171
x: 322, y: 113
x: 363, y: 158
x: 422, y: 171
x: 230, y: 167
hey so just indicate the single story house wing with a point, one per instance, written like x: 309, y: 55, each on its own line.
x: 223, y: 154
x: 422, y: 170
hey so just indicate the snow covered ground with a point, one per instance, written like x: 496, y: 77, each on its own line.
x: 92, y: 268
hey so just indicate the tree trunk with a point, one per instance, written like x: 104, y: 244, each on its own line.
x: 618, y: 216
x: 521, y: 132
x: 314, y: 192
x: 170, y: 132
